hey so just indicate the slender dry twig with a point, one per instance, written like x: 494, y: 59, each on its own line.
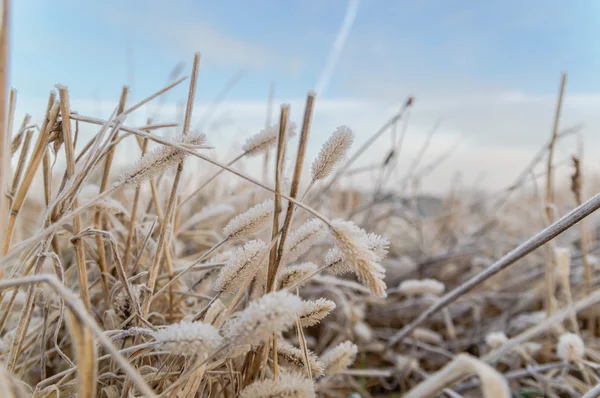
x: 546, y: 235
x: 549, y: 200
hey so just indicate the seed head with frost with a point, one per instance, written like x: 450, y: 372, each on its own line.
x: 352, y: 242
x: 293, y: 357
x: 266, y: 139
x: 305, y: 237
x: 378, y: 245
x: 159, y: 160
x: 570, y: 347
x: 496, y: 339
x: 293, y: 274
x: 313, y: 311
x: 186, y: 338
x: 332, y: 152
x: 288, y: 385
x: 250, y: 222
x: 242, y: 264
x: 413, y: 287
x: 339, y: 358
x: 273, y: 313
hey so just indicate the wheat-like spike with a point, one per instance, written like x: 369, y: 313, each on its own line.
x: 287, y: 385
x: 570, y: 347
x: 313, y: 311
x: 335, y: 260
x: 291, y: 356
x: 413, y: 287
x: 295, y: 273
x: 159, y: 160
x: 339, y: 358
x: 265, y: 140
x: 305, y: 237
x: 353, y: 243
x: 332, y: 152
x: 272, y: 313
x: 242, y: 264
x: 188, y: 338
x: 250, y: 222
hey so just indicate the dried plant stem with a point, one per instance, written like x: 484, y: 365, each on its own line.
x: 34, y: 162
x: 98, y: 218
x: 308, y: 110
x: 155, y: 268
x: 136, y: 199
x: 85, y: 318
x: 546, y: 235
x: 281, y: 148
x: 63, y: 93
x: 4, y: 132
x: 549, y: 273
x: 20, y: 165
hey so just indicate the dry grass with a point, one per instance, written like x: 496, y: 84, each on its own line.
x: 162, y: 280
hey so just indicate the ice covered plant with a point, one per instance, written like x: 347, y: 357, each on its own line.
x: 313, y: 311
x: 293, y: 357
x: 266, y: 139
x: 339, y: 358
x: 188, y: 338
x: 353, y: 243
x: 303, y: 238
x: 332, y: 152
x: 287, y: 385
x: 160, y: 159
x: 293, y: 274
x: 413, y: 287
x: 242, y: 264
x: 273, y: 313
x: 250, y: 222
x: 570, y: 348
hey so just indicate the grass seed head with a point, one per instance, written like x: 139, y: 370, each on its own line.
x: 242, y: 264
x: 313, y: 311
x: 339, y: 358
x: 272, y: 313
x: 287, y: 385
x: 188, y: 338
x: 333, y: 151
x: 250, y: 222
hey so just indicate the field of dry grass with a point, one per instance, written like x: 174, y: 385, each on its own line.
x: 164, y: 280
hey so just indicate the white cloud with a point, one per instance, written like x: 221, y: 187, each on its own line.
x: 500, y: 132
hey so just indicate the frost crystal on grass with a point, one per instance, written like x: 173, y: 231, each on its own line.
x: 313, y: 311
x: 160, y: 159
x: 266, y: 139
x: 250, y: 222
x: 185, y: 338
x: 242, y: 264
x: 332, y: 152
x: 272, y: 313
x: 339, y: 358
x: 354, y: 245
x: 305, y: 237
x: 288, y: 385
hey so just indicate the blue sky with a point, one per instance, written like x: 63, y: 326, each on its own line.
x: 475, y: 64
